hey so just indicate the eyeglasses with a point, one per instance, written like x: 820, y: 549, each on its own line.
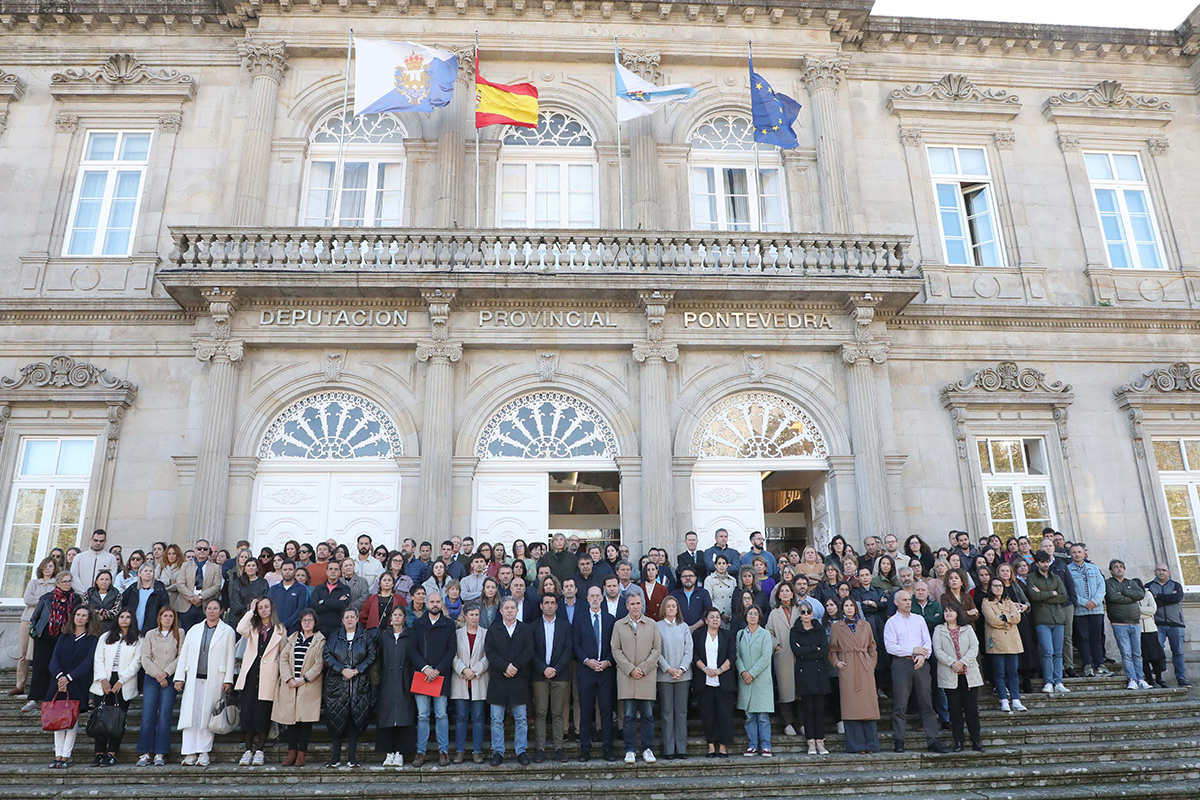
x: 806, y: 612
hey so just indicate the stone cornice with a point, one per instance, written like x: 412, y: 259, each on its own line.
x: 992, y: 317
x: 122, y: 75
x: 63, y: 379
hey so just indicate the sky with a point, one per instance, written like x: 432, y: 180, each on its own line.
x: 1153, y: 14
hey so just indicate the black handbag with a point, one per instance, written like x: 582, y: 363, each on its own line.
x: 107, y: 720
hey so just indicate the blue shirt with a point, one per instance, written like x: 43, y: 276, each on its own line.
x: 748, y: 560
x: 143, y: 596
x: 730, y: 554
x: 418, y: 570
x: 289, y: 602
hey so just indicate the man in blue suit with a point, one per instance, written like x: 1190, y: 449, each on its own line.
x: 596, y: 673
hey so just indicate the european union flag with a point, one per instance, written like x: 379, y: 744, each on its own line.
x: 773, y: 113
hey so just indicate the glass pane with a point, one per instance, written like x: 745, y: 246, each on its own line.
x: 1007, y: 455
x: 40, y: 455
x: 68, y: 508
x: 387, y: 200
x: 29, y: 507
x: 956, y: 251
x: 1098, y: 167
x: 1106, y: 201
x: 736, y: 183
x: 101, y: 147
x: 972, y: 162
x: 75, y: 457
x: 1000, y: 503
x: 1118, y: 256
x: 320, y: 174
x: 16, y: 578
x: 1149, y: 257
x: 703, y: 180
x: 1191, y: 448
x: 984, y: 464
x: 355, y: 175
x: 1185, y: 535
x: 135, y: 146
x: 1036, y: 504
x: 1136, y: 202
x: 941, y: 161
x: 1189, y: 570
x: 116, y: 242
x: 1168, y: 456
x: 1128, y: 168
x: 1004, y: 529
x: 1179, y: 504
x: 319, y: 203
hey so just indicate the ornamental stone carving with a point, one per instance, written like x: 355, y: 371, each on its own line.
x: 264, y: 59
x: 210, y: 349
x: 439, y: 301
x: 122, y: 69
x: 643, y: 64
x: 547, y: 366
x: 756, y: 366
x: 172, y: 123
x: 66, y: 123
x: 449, y: 350
x: 865, y: 348
x: 822, y: 73
x: 655, y: 303
x: 1158, y: 145
x: 1005, y: 377
x: 1068, y: 142
x: 1004, y: 140
x: 11, y: 86
x: 910, y: 137
x: 220, y: 345
x: 333, y: 364
x: 647, y: 350
x: 955, y: 87
x: 1179, y: 377
x: 63, y: 372
x: 1109, y: 94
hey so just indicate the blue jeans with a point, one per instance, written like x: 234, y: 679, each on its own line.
x: 1175, y: 637
x: 1129, y: 642
x: 1050, y: 642
x: 632, y: 709
x: 520, y: 727
x: 442, y: 722
x: 1004, y: 667
x: 758, y: 730
x: 157, y: 704
x: 476, y: 710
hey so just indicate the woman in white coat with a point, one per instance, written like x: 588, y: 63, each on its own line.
x: 957, y: 650
x: 205, y: 671
x: 469, y: 685
x: 114, y: 670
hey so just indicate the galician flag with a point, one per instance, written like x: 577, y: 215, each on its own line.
x: 401, y: 76
x: 638, y: 98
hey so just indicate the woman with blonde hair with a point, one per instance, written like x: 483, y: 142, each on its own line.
x: 811, y: 565
x: 160, y: 656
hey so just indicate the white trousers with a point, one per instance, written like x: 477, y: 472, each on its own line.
x: 196, y: 741
x: 64, y: 742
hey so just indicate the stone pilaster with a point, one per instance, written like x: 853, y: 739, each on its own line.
x: 643, y: 173
x: 454, y: 192
x: 223, y: 353
x: 437, y: 439
x: 821, y: 76
x: 653, y: 355
x: 870, y: 467
x: 266, y: 63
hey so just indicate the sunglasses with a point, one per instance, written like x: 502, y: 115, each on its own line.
x: 806, y: 612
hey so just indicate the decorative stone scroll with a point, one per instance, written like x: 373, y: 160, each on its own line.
x: 61, y: 372
x: 1005, y: 376
x: 1003, y: 384
x: 1107, y: 102
x: 956, y: 87
x: 1179, y: 377
x: 123, y: 74
x: 955, y: 95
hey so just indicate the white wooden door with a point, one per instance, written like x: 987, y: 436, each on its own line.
x: 311, y: 505
x: 729, y: 500
x: 361, y: 504
x: 507, y: 506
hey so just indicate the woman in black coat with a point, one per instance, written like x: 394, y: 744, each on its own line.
x: 396, y: 713
x: 51, y: 616
x: 810, y: 646
x: 71, y: 671
x: 713, y: 683
x: 347, y: 693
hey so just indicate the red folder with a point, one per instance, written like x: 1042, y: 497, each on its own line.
x: 431, y: 688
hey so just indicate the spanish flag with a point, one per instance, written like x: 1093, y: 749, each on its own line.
x: 497, y: 104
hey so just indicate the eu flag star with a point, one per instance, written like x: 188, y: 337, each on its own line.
x: 758, y: 86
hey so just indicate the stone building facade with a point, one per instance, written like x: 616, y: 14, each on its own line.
x: 969, y: 299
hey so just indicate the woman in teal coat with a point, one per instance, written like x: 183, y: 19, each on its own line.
x: 756, y: 694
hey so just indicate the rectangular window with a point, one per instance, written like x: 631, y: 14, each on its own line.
x: 108, y: 193
x: 1178, y: 463
x: 371, y: 193
x: 724, y: 198
x: 46, y: 507
x: 1126, y: 215
x: 1016, y: 485
x: 547, y: 194
x: 966, y: 206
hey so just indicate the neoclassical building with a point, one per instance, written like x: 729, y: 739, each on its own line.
x: 969, y: 299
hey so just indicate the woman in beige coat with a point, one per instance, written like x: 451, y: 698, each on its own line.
x: 469, y: 685
x: 783, y: 616
x: 852, y: 651
x: 298, y: 693
x: 1000, y: 618
x: 957, y: 651
x: 259, y: 677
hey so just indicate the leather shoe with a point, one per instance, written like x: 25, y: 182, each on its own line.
x: 936, y: 747
x: 977, y: 747
x: 958, y: 747
x: 523, y: 759
x: 418, y: 760
x: 444, y: 760
x: 585, y: 757
x: 609, y: 755
x: 898, y: 747
x: 560, y: 756
x: 539, y: 756
x: 497, y: 759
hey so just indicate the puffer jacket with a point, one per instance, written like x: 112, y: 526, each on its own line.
x: 1002, y: 635
x: 348, y: 702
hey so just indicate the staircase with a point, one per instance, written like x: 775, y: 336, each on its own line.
x: 1100, y: 741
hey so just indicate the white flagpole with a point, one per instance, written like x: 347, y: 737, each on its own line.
x: 757, y: 172
x: 337, y: 172
x: 620, y: 160
x: 477, y: 133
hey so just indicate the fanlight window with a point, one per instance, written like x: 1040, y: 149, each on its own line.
x: 725, y: 132
x: 332, y: 425
x: 547, y: 425
x: 363, y: 129
x: 554, y: 129
x: 757, y: 425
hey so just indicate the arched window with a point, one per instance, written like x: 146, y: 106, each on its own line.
x: 548, y: 175
x: 725, y: 194
x: 757, y: 425
x: 372, y: 171
x: 332, y: 425
x: 547, y: 425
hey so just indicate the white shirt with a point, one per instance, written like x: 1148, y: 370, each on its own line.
x: 370, y: 569
x: 511, y: 628
x: 548, y: 627
x: 710, y: 658
x: 520, y: 610
x: 613, y: 605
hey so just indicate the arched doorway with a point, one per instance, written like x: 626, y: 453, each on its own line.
x: 761, y: 464
x: 546, y: 463
x: 327, y: 468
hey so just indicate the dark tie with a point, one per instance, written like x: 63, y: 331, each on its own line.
x: 599, y: 643
x: 199, y: 577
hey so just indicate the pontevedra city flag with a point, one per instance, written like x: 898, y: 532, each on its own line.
x: 401, y: 76
x: 498, y: 104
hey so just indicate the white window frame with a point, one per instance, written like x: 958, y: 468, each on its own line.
x: 1119, y: 187
x: 720, y: 160
x: 1016, y: 482
x: 533, y: 156
x: 963, y: 186
x: 1187, y: 479
x: 379, y: 155
x: 111, y: 168
x: 52, y: 484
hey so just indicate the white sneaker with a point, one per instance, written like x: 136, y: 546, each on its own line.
x: 202, y: 760
x: 387, y: 762
x: 159, y: 761
x: 1061, y: 689
x: 1132, y: 685
x: 30, y: 706
x: 398, y: 761
x: 1144, y: 685
x: 1048, y: 689
x: 630, y: 757
x: 245, y: 759
x: 648, y: 756
x: 189, y: 760
x: 259, y: 758
x: 789, y: 731
x: 143, y: 760
x: 1018, y: 706
x: 1004, y: 706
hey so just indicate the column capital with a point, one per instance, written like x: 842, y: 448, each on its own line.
x: 822, y: 73
x: 644, y: 351
x: 439, y: 302
x: 865, y: 348
x: 865, y: 353
x: 451, y: 351
x: 655, y: 302
x: 264, y: 59
x: 219, y: 348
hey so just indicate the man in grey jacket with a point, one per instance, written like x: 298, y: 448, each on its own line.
x: 1168, y: 594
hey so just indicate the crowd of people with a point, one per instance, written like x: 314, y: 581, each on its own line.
x: 575, y: 640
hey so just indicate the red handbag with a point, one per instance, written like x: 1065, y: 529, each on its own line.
x: 59, y: 715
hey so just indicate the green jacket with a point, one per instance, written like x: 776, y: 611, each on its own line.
x: 932, y: 612
x: 754, y: 656
x: 1122, y: 599
x: 1046, y: 607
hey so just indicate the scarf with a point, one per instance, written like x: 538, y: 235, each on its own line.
x: 851, y: 622
x: 60, y: 609
x: 453, y: 609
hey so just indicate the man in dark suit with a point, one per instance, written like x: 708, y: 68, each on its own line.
x: 528, y: 609
x: 692, y: 557
x: 596, y: 673
x: 552, y: 645
x: 613, y: 601
x: 509, y: 649
x: 693, y: 600
x: 436, y: 643
x: 586, y: 577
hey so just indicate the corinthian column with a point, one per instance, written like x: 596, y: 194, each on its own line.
x: 210, y: 494
x: 870, y: 469
x: 437, y: 428
x: 821, y: 76
x: 267, y: 63
x: 655, y: 424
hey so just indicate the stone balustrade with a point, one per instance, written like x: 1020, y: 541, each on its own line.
x: 393, y: 250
